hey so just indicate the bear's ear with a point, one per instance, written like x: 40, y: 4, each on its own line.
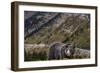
x: 66, y: 46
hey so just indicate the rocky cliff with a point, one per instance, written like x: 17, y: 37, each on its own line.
x: 48, y: 27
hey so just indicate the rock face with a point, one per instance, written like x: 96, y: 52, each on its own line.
x: 38, y: 20
x: 81, y: 53
x: 49, y: 27
x: 60, y: 51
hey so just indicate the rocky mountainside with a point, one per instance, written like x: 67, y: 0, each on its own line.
x: 49, y: 27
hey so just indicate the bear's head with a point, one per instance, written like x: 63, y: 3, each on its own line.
x: 69, y: 50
